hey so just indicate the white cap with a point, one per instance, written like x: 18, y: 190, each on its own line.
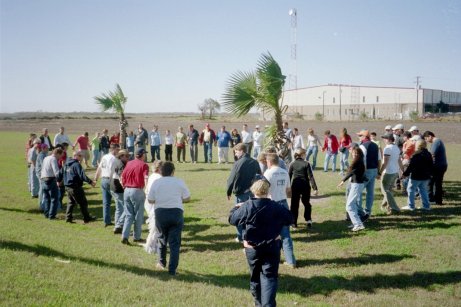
x: 257, y: 126
x: 416, y: 137
x: 398, y: 127
x: 388, y: 127
x: 413, y: 128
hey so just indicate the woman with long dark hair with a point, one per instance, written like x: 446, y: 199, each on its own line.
x: 356, y: 172
x: 301, y: 178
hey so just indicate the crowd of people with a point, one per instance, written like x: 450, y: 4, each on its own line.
x: 262, y: 180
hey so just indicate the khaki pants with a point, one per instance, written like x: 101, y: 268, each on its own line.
x: 387, y: 182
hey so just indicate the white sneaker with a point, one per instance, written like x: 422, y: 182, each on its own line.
x: 309, y: 224
x: 237, y: 240
x: 424, y: 209
x: 358, y: 228
x: 351, y: 226
x: 407, y: 208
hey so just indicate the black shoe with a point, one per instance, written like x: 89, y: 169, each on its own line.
x: 347, y: 219
x: 125, y: 241
x: 34, y: 196
x: 70, y: 221
x: 90, y: 219
x: 118, y: 230
x: 364, y: 218
x: 139, y: 241
x: 110, y: 224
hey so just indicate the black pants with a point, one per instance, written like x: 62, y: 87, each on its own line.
x: 169, y: 152
x: 77, y: 196
x: 301, y: 189
x: 435, y: 184
x: 264, y: 267
x: 169, y: 223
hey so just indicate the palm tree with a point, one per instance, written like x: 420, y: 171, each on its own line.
x: 115, y: 101
x: 263, y: 90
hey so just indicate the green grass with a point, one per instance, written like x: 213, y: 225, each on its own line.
x: 408, y: 259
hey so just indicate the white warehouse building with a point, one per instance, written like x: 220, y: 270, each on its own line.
x: 352, y: 102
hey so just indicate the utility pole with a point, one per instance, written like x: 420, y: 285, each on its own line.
x: 418, y: 84
x: 293, y: 80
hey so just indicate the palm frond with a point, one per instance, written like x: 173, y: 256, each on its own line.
x: 113, y: 100
x: 241, y: 93
x: 270, y: 80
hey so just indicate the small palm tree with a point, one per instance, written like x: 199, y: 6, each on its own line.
x: 263, y: 90
x: 115, y: 101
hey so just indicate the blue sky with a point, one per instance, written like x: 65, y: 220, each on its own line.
x: 168, y: 56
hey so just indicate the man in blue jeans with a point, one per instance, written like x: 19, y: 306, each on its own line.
x: 372, y: 160
x: 242, y: 175
x: 262, y: 220
x: 155, y: 141
x: 105, y: 170
x: 51, y: 177
x: 280, y: 189
x: 168, y: 194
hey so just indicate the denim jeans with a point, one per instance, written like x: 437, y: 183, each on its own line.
x: 256, y: 151
x: 169, y: 223
x: 119, y: 209
x: 330, y: 156
x: 287, y: 242
x: 106, y: 200
x: 208, y: 151
x: 131, y: 151
x: 312, y: 150
x: 50, y: 198
x: 240, y: 199
x: 264, y: 266
x: 387, y: 182
x: 104, y: 151
x: 344, y: 162
x: 95, y: 160
x: 193, y: 150
x: 40, y: 196
x: 351, y: 204
x: 155, y: 152
x: 369, y: 185
x: 33, y: 181
x: 134, y: 212
x: 420, y: 185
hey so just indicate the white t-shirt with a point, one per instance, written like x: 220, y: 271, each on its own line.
x: 107, y: 165
x: 147, y: 206
x: 298, y: 141
x: 312, y: 140
x: 168, y: 192
x: 258, y: 138
x: 393, y: 152
x: 246, y: 136
x: 280, y: 181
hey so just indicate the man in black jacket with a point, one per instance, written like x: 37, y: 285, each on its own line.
x: 419, y: 170
x: 262, y: 220
x: 242, y: 175
x: 74, y: 176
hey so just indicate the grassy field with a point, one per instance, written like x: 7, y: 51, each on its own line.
x: 410, y: 259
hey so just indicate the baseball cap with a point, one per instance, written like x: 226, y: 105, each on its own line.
x: 413, y: 128
x: 388, y: 136
x: 398, y: 127
x: 388, y: 127
x: 363, y: 132
x: 140, y: 151
x: 43, y: 146
x: 257, y: 126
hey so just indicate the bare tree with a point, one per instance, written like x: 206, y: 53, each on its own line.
x: 202, y: 107
x: 212, y: 106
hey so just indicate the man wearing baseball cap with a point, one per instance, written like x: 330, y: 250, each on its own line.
x: 258, y: 139
x: 415, y: 134
x: 390, y: 169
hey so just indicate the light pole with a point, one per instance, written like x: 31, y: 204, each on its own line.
x: 323, y: 104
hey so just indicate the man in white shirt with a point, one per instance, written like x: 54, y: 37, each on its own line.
x: 390, y: 169
x: 279, y: 189
x: 298, y: 141
x: 247, y: 138
x: 258, y: 142
x: 168, y: 194
x: 60, y: 137
x: 50, y: 177
x: 105, y: 171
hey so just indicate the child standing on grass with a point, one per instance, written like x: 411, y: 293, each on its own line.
x: 169, y: 140
x: 356, y: 171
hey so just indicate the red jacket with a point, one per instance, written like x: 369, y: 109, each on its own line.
x: 334, y: 144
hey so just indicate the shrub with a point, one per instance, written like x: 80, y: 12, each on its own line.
x: 414, y: 116
x: 363, y: 115
x: 318, y: 116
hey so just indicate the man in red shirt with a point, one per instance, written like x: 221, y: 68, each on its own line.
x: 331, y: 146
x: 134, y: 179
x: 115, y: 138
x: 83, y: 142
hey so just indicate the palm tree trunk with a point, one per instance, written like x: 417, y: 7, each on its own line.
x: 123, y: 125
